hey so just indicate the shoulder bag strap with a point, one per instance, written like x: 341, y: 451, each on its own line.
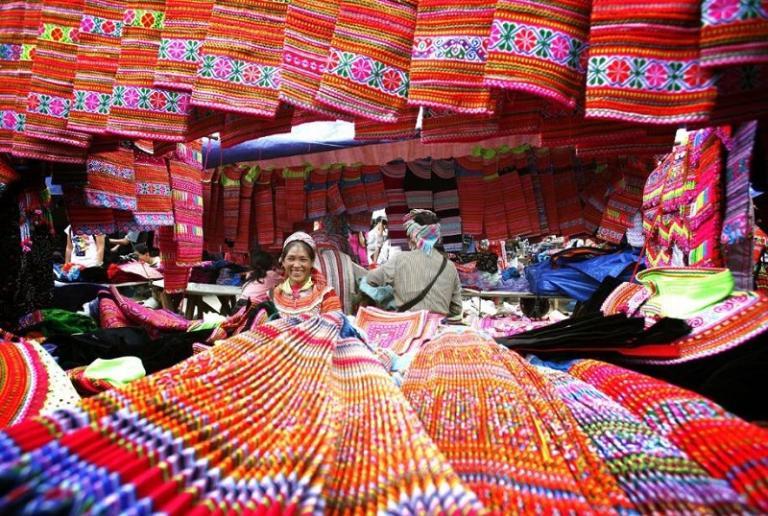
x: 416, y: 300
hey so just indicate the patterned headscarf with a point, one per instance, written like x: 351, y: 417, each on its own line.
x: 425, y: 236
x: 301, y: 237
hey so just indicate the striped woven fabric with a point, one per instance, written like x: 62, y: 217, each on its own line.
x: 334, y: 200
x: 85, y: 219
x: 512, y: 193
x: 230, y: 185
x: 316, y: 193
x: 529, y: 431
x: 53, y: 72
x: 240, y: 59
x: 403, y: 128
x: 283, y: 225
x: 185, y: 29
x: 539, y: 49
x: 375, y: 196
x: 24, y: 382
x: 569, y: 209
x: 175, y: 277
x: 187, y: 193
x: 446, y: 203
x: 470, y: 184
x: 353, y: 189
x: 527, y: 176
x: 494, y: 218
x: 309, y: 29
x: 295, y: 193
x: 740, y: 94
x: 450, y: 48
x: 733, y: 33
x: 439, y: 126
x: 393, y: 174
x: 545, y: 173
x: 575, y: 130
x: 204, y: 122
x: 263, y: 211
x: 153, y: 191
x: 214, y: 233
x: 245, y: 233
x: 655, y: 461
x: 111, y: 180
x: 632, y: 78
x: 367, y: 70
x: 726, y: 447
x: 242, y: 128
x: 140, y: 110
x: 98, y: 56
x: 417, y: 185
x: 11, y: 47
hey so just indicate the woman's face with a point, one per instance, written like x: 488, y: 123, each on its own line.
x: 297, y: 264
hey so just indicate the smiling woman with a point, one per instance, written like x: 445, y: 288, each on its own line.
x: 304, y: 290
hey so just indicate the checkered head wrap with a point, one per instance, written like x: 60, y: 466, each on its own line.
x: 301, y: 237
x: 426, y: 236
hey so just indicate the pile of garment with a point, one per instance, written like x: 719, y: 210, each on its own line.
x: 299, y: 416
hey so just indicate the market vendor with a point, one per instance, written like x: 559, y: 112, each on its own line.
x: 423, y: 278
x: 84, y: 250
x: 261, y: 278
x: 304, y: 289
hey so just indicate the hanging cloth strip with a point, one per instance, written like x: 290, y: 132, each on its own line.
x: 187, y: 193
x: 657, y: 81
x: 375, y: 195
x: 263, y: 214
x: 539, y: 49
x: 450, y: 47
x: 538, y: 197
x: 11, y: 49
x: 733, y: 33
x: 366, y: 73
x: 446, y: 203
x: 404, y: 128
x: 53, y: 72
x: 185, y: 29
x: 494, y: 218
x: 335, y: 202
x: 245, y: 233
x: 353, y: 190
x: 316, y: 194
x: 240, y: 59
x: 175, y: 277
x: 211, y: 208
x: 737, y: 235
x: 549, y: 196
x: 98, y: 56
x: 309, y: 29
x: 243, y: 128
x: 397, y: 206
x: 153, y: 191
x: 283, y: 226
x: 512, y: 192
x: 569, y: 209
x: 139, y: 110
x: 418, y: 191
x: 471, y: 187
x: 295, y: 194
x: 85, y: 219
x: 230, y: 185
x: 111, y: 180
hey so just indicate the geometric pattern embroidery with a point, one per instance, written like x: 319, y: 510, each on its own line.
x: 640, y: 73
x: 185, y: 50
x: 100, y: 26
x: 454, y: 48
x: 224, y: 68
x: 722, y: 12
x: 92, y: 102
x: 153, y: 189
x: 10, y: 52
x: 57, y: 107
x: 144, y: 18
x: 150, y: 99
x: 58, y: 33
x: 541, y: 43
x: 369, y: 72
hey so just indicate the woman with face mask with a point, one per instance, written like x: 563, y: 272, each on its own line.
x: 303, y: 289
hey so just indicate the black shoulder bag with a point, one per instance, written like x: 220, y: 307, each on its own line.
x: 416, y: 300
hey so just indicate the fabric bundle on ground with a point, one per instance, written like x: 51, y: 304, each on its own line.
x: 240, y: 59
x: 98, y: 56
x: 309, y: 29
x: 31, y: 383
x: 366, y: 73
x: 660, y: 81
x: 111, y: 180
x: 181, y: 40
x: 187, y: 195
x: 139, y: 109
x: 154, y: 321
x: 153, y: 191
x: 540, y: 50
x: 450, y: 48
x: 53, y: 72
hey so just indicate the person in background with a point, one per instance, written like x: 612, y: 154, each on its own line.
x: 304, y: 289
x: 423, y: 278
x: 261, y: 279
x: 376, y: 241
x: 84, y: 250
x: 143, y: 255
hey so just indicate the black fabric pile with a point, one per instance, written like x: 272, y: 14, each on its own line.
x: 596, y: 334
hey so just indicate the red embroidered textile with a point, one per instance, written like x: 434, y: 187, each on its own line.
x: 153, y: 191
x: 295, y: 194
x: 264, y: 216
x: 182, y: 37
x: 245, y: 233
x: 230, y: 185
x: 111, y: 180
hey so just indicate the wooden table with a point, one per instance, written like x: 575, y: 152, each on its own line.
x: 498, y: 295
x: 195, y: 292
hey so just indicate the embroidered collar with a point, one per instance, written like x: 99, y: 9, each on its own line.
x: 286, y: 286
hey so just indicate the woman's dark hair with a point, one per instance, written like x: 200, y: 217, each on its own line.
x: 307, y: 248
x: 261, y: 262
x: 426, y: 218
x: 141, y: 248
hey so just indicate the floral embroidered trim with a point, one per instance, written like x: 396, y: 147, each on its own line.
x: 150, y: 99
x: 369, y: 72
x: 538, y: 42
x: 48, y: 105
x: 27, y: 52
x: 184, y: 50
x: 144, y: 18
x: 153, y: 219
x: 722, y: 12
x: 153, y: 189
x: 457, y: 48
x: 647, y: 74
x: 101, y: 26
x: 306, y: 63
x: 224, y: 68
x: 10, y: 120
x: 92, y: 102
x: 10, y: 52
x: 59, y: 33
x: 96, y: 167
x: 109, y: 200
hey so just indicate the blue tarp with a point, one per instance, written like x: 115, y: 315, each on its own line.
x: 579, y: 279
